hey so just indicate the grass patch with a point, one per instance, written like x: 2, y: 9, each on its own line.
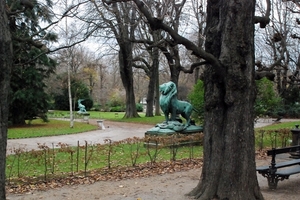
x: 282, y: 125
x: 275, y: 135
x: 49, y: 161
x: 38, y: 128
x: 112, y: 116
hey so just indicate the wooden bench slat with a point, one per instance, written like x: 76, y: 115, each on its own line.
x: 280, y: 165
x: 283, y: 150
x: 262, y: 168
x: 288, y: 171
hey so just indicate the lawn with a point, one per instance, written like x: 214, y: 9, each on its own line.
x: 282, y: 125
x: 59, y: 124
x: 50, y: 161
x: 38, y: 128
x: 113, y: 116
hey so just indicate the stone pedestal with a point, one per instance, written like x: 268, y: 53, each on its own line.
x: 85, y: 116
x: 175, y: 133
x: 295, y: 141
x: 101, y: 124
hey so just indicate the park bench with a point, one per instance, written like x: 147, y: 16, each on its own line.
x: 282, y: 170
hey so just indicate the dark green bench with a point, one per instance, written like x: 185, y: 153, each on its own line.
x: 279, y: 171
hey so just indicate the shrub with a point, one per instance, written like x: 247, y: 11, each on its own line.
x: 61, y: 102
x: 139, y: 107
x: 117, y: 109
x: 79, y: 91
x: 96, y: 107
x: 267, y: 100
x: 292, y: 111
x: 196, y: 97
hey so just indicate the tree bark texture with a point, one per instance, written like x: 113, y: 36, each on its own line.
x: 229, y: 149
x: 153, y: 75
x: 5, y: 73
x: 157, y: 106
x: 124, y: 33
x: 151, y: 87
x: 125, y: 62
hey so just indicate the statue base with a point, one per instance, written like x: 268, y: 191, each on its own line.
x: 85, y: 116
x: 174, y: 133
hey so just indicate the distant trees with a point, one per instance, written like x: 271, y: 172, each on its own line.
x: 277, y: 55
x: 83, y: 75
x: 119, y: 24
x: 120, y: 21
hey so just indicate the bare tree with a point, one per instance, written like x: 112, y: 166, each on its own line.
x: 119, y: 21
x: 199, y: 9
x: 273, y: 53
x: 171, y: 12
x: 148, y: 41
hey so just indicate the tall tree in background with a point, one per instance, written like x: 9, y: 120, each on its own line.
x: 229, y: 155
x: 5, y: 72
x: 150, y: 40
x: 120, y: 20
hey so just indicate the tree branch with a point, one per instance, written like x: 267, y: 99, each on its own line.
x: 145, y: 67
x: 156, y: 24
x: 57, y: 49
x: 261, y: 74
x: 192, y: 67
x: 264, y: 20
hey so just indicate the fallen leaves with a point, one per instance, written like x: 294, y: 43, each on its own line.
x: 261, y: 154
x: 144, y: 170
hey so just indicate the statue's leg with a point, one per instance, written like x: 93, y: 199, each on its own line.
x: 174, y: 104
x: 187, y: 114
x: 166, y: 116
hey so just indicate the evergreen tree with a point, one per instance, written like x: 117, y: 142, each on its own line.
x: 31, y: 65
x: 79, y: 90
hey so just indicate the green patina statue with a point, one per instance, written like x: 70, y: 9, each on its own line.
x: 172, y: 108
x: 81, y: 106
x: 173, y: 125
x: 171, y: 105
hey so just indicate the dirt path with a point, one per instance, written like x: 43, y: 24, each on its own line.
x: 115, y: 131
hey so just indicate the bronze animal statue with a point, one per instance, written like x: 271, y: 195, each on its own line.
x: 81, y: 106
x: 171, y: 105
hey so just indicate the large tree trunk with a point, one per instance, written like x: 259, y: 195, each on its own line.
x: 125, y: 62
x: 124, y: 37
x: 151, y: 87
x: 5, y: 72
x: 229, y: 155
x: 157, y: 106
x: 153, y: 75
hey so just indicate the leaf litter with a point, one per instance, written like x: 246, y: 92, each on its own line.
x: 28, y: 185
